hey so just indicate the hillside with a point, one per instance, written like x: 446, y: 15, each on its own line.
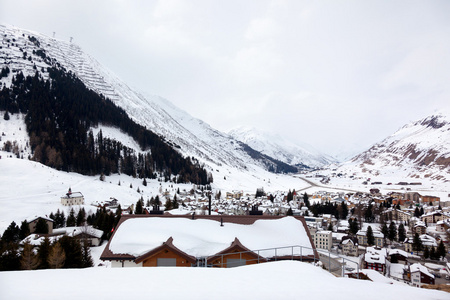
x: 419, y: 150
x: 29, y: 52
x: 303, y: 156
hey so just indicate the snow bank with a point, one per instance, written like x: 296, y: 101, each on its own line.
x: 275, y: 280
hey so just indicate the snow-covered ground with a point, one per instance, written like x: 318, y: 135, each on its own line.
x: 345, y: 183
x: 274, y: 280
x: 28, y: 188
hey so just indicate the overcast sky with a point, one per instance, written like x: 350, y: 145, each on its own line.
x: 334, y: 74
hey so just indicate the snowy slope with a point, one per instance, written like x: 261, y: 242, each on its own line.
x: 28, y: 188
x: 191, y: 136
x: 418, y: 150
x: 274, y: 280
x: 277, y: 147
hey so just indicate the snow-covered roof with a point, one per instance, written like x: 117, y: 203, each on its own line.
x: 419, y: 268
x: 31, y: 219
x: 373, y: 255
x: 74, y: 231
x: 346, y: 241
x: 206, y: 237
x: 398, y: 251
x: 428, y: 240
x: 36, y: 239
x: 376, y: 233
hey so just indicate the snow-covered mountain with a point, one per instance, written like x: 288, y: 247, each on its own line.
x: 279, y: 148
x: 28, y: 52
x: 420, y: 149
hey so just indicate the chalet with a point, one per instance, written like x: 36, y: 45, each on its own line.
x: 398, y: 256
x: 207, y: 240
x: 75, y: 198
x: 431, y: 199
x: 420, y: 228
x: 428, y: 241
x: 443, y: 225
x: 412, y: 196
x: 397, y: 214
x: 375, y: 259
x: 362, y: 238
x: 349, y: 246
x: 32, y: 222
x: 434, y: 217
x: 420, y: 275
x: 85, y: 233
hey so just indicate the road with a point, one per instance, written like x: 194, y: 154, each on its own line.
x: 313, y: 184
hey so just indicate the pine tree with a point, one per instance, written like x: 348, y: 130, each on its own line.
x: 81, y: 217
x: 433, y: 254
x: 306, y: 199
x: 41, y: 226
x: 175, y: 202
x: 24, y: 230
x: 392, y: 235
x: 417, y: 243
x: 440, y: 250
x: 139, y: 209
x: 86, y: 253
x: 344, y: 210
x: 12, y: 233
x: 370, y: 237
x: 43, y: 252
x: 10, y: 257
x: 168, y: 205
x: 426, y: 252
x: 417, y: 212
x: 384, y: 230
x: 401, y: 233
x: 353, y: 226
x: 72, y: 246
x: 71, y: 220
x: 6, y: 116
x: 144, y: 182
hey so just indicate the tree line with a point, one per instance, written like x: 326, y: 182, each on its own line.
x: 60, y: 113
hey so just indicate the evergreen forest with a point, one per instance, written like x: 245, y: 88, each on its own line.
x: 60, y: 113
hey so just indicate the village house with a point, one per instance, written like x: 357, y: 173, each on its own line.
x: 420, y: 228
x: 398, y: 256
x: 32, y: 222
x: 375, y: 259
x: 322, y: 238
x: 75, y: 198
x: 397, y: 214
x: 434, y: 217
x: 431, y: 199
x: 412, y: 196
x: 208, y: 240
x: 420, y: 275
x: 443, y: 225
x: 90, y: 234
x: 378, y: 237
x: 349, y: 246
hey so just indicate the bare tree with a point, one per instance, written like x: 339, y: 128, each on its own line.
x: 29, y: 260
x: 56, y: 257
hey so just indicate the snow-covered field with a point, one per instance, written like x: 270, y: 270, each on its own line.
x: 28, y: 188
x: 275, y: 280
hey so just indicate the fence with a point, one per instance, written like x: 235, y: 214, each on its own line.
x: 331, y: 262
